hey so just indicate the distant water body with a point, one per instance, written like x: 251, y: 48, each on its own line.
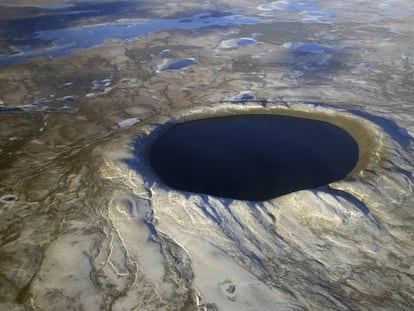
x: 50, y: 32
x: 61, y: 41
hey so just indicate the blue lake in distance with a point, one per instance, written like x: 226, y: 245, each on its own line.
x: 63, y: 40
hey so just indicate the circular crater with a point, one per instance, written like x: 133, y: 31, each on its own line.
x: 253, y: 157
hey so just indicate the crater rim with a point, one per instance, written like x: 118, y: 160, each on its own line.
x: 366, y: 133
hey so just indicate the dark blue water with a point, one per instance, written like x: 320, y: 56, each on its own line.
x: 253, y: 157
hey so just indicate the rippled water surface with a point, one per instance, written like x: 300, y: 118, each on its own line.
x: 86, y: 87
